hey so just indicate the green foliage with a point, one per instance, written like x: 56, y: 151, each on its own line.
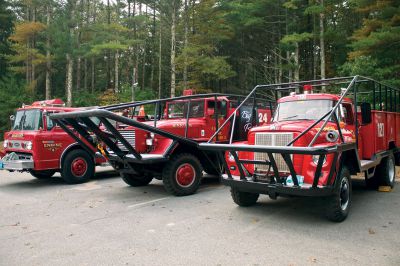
x: 13, y: 94
x: 6, y: 28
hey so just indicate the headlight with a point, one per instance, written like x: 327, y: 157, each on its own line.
x: 5, y: 144
x: 315, y: 159
x: 332, y: 136
x: 28, y: 145
x: 149, y: 142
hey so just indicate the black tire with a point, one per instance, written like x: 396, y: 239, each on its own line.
x: 44, y: 174
x: 78, y: 167
x: 338, y: 205
x: 372, y: 183
x: 385, y: 173
x: 136, y: 180
x: 244, y: 199
x: 178, y: 163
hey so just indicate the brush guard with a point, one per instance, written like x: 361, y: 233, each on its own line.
x: 276, y: 185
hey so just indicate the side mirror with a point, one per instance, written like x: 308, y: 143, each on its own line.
x: 12, y: 118
x: 366, y: 116
x: 210, y: 111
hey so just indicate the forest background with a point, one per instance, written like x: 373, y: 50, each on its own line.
x: 97, y: 52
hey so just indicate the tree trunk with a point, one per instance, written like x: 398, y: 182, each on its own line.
x: 173, y: 43
x: 116, y: 82
x: 297, y: 63
x: 322, y: 43
x: 78, y: 73
x: 160, y: 62
x: 48, y: 62
x: 92, y: 84
x: 69, y: 79
x: 185, y: 45
x: 85, y: 74
x: 134, y: 83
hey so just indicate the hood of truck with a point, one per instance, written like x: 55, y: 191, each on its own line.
x: 294, y: 126
x: 176, y: 123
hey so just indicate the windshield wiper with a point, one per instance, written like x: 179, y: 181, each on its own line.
x: 290, y: 117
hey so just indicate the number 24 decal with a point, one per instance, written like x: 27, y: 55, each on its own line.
x: 263, y: 118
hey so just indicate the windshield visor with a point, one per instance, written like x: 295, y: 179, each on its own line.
x: 28, y: 120
x: 302, y: 110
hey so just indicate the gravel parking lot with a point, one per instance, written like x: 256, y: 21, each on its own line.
x: 105, y: 222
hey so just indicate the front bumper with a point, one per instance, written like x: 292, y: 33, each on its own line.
x: 17, y: 165
x: 276, y: 189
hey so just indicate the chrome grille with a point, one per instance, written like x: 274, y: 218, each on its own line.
x: 272, y: 139
x: 129, y: 135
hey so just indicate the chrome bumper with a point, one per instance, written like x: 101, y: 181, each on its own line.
x: 18, y: 165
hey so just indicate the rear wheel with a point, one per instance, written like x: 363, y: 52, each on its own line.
x: 182, y: 174
x: 386, y: 172
x: 338, y: 205
x: 44, y: 174
x: 78, y: 167
x: 136, y: 180
x: 244, y: 199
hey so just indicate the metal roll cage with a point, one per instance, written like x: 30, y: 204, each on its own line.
x: 80, y: 123
x: 250, y: 183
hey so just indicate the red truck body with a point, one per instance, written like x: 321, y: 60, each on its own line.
x: 39, y: 146
x: 316, y: 141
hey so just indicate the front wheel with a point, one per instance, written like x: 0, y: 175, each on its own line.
x: 44, y: 174
x: 136, y: 180
x: 338, y: 205
x: 182, y: 174
x: 386, y: 172
x: 244, y: 199
x: 78, y: 167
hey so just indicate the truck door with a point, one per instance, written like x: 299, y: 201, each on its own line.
x: 217, y: 112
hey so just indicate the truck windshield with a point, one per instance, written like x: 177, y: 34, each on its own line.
x: 28, y: 120
x: 302, y: 110
x: 180, y: 109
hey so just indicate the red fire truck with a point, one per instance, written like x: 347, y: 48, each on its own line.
x: 165, y: 145
x: 316, y: 141
x: 38, y: 145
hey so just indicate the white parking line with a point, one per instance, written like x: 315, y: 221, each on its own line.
x: 147, y: 202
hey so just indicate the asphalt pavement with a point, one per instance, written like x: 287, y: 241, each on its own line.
x: 106, y: 222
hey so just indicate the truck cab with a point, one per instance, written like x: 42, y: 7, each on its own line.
x: 39, y: 146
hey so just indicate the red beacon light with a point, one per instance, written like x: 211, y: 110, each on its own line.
x: 50, y: 103
x: 308, y: 89
x: 188, y: 92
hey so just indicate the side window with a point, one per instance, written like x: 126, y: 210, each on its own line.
x: 50, y: 123
x: 346, y: 114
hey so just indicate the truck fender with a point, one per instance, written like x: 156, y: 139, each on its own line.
x: 351, y: 159
x: 72, y: 146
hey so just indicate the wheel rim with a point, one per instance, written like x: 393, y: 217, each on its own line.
x: 344, y: 194
x: 391, y: 170
x: 185, y: 175
x: 79, y: 167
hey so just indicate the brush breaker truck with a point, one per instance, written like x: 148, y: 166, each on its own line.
x: 164, y: 145
x: 37, y: 145
x: 315, y: 142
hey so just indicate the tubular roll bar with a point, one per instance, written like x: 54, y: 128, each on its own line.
x: 351, y: 81
x: 80, y: 123
x: 285, y: 152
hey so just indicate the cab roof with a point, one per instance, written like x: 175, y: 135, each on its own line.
x: 312, y: 96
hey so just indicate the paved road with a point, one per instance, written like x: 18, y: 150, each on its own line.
x: 105, y: 222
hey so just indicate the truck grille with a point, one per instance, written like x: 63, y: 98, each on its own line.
x: 129, y: 135
x: 272, y: 139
